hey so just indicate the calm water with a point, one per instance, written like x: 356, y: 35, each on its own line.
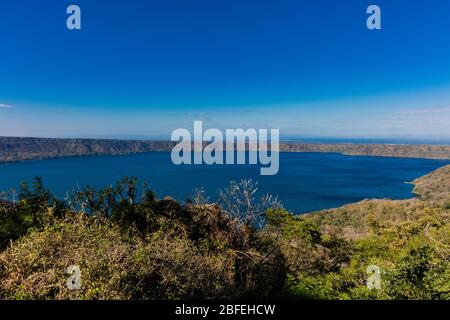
x: 305, y: 182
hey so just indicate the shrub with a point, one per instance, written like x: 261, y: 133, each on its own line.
x: 34, y: 208
x: 115, y: 265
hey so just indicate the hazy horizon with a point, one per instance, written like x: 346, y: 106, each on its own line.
x: 283, y: 139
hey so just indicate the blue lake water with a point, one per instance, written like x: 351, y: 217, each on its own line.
x: 306, y: 181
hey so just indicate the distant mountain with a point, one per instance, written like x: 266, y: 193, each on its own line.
x: 384, y: 150
x: 20, y: 149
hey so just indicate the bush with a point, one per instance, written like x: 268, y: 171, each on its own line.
x: 114, y: 265
x: 137, y: 248
x: 33, y: 209
x: 129, y: 244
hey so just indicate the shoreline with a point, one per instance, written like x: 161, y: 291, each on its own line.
x: 25, y: 149
x: 3, y: 162
x: 413, y: 194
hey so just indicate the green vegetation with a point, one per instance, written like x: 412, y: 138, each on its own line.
x: 129, y: 244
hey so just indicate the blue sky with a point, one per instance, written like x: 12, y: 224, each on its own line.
x: 144, y: 68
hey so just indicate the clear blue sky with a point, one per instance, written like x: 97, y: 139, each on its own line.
x: 144, y: 68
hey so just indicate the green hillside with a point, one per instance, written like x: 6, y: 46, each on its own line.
x: 130, y: 245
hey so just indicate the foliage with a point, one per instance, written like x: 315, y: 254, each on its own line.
x: 131, y: 245
x: 32, y: 208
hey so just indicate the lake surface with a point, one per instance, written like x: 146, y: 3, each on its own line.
x: 306, y: 181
